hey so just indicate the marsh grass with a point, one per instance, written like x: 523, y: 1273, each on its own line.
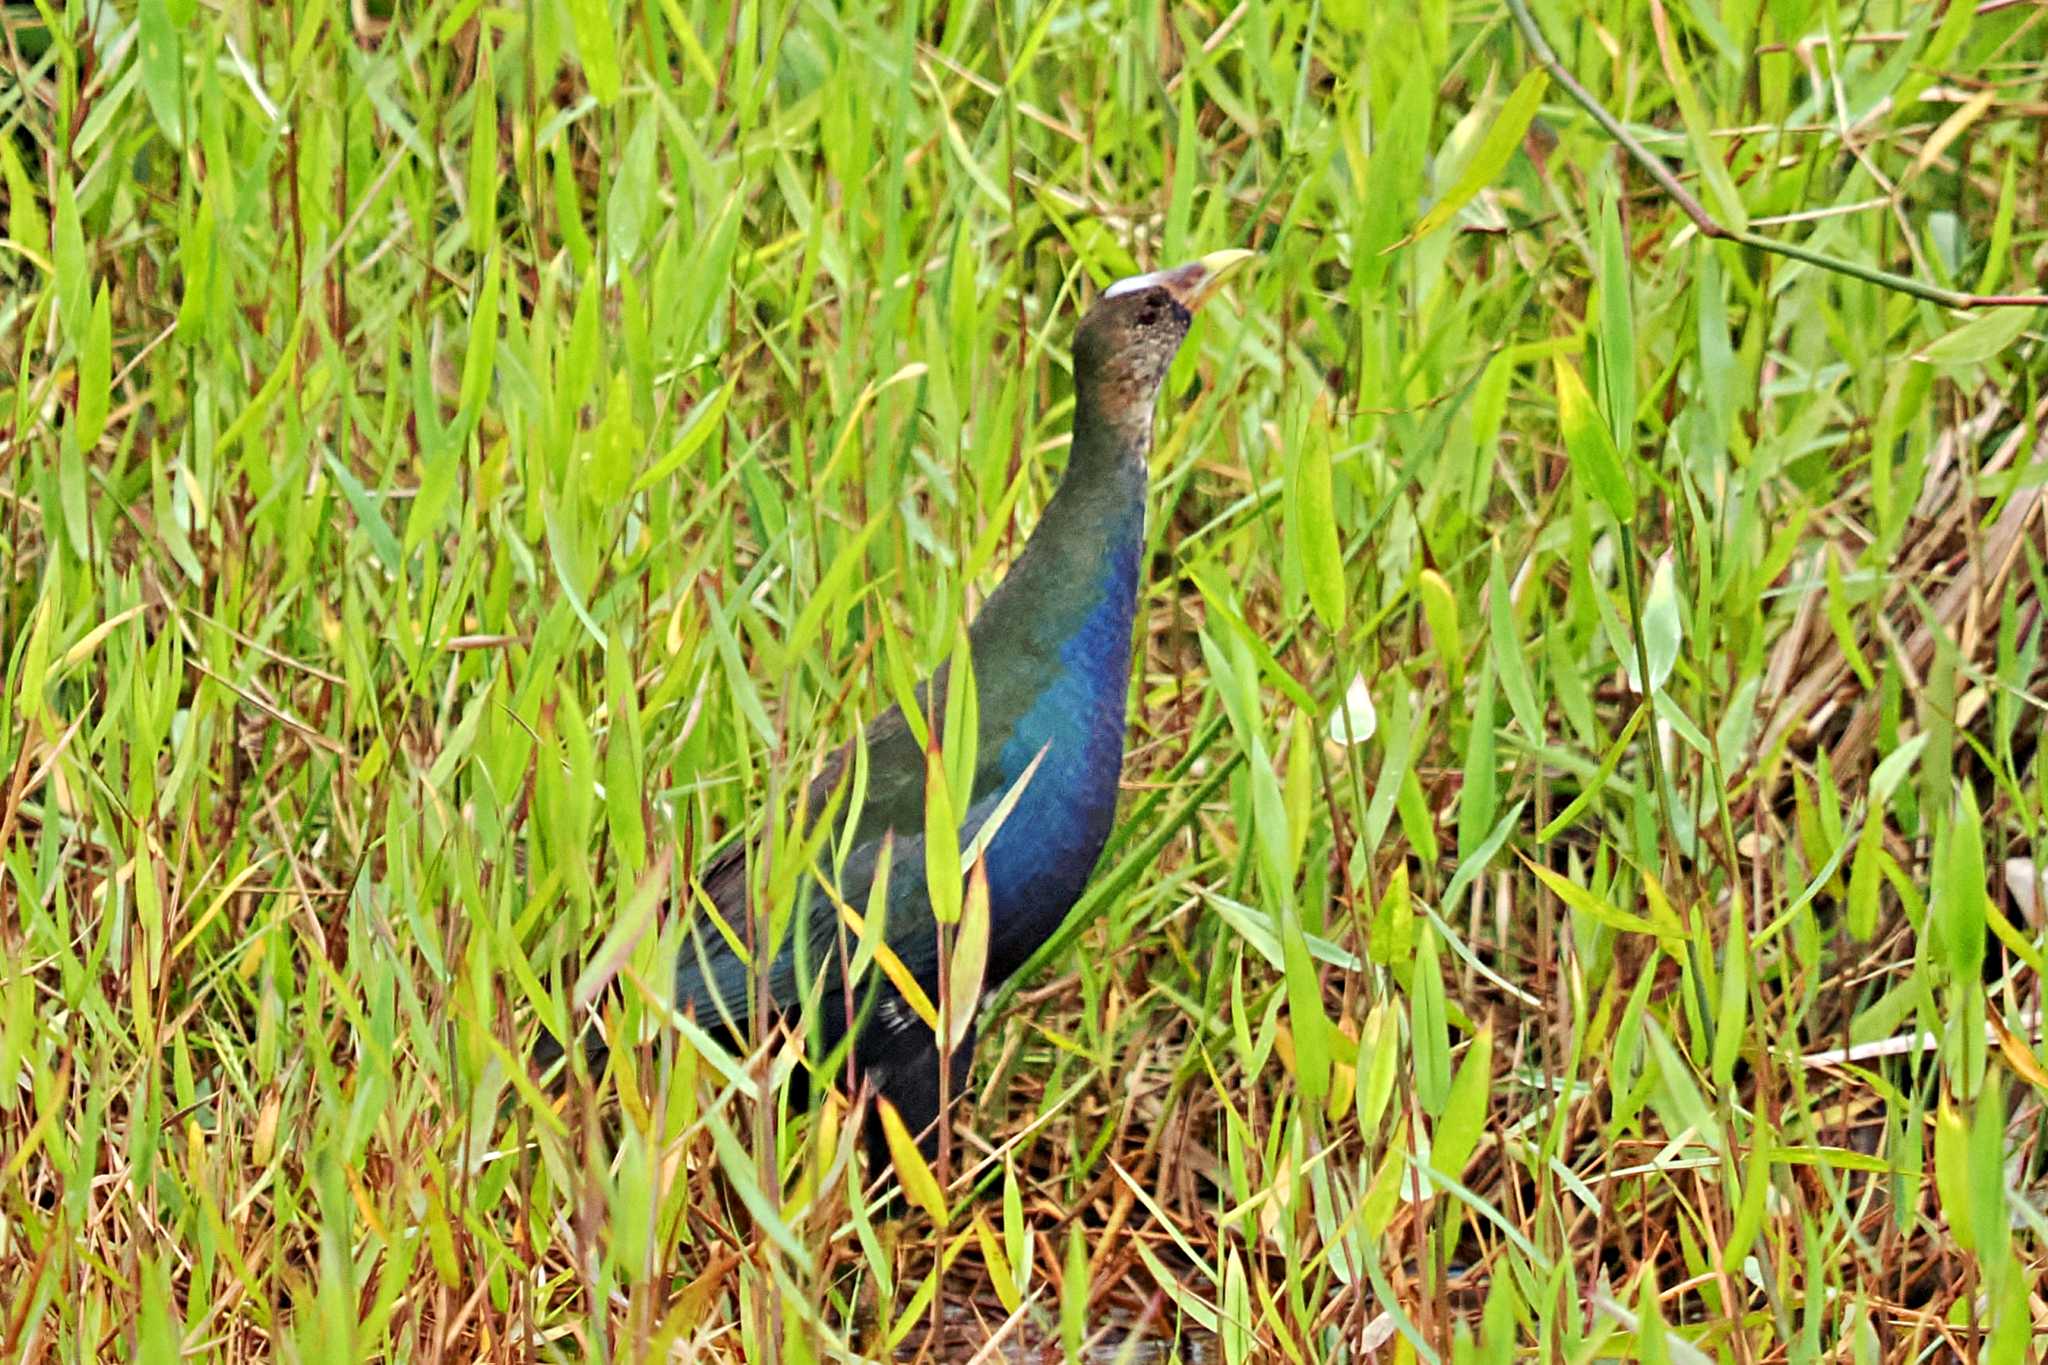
x: 458, y: 463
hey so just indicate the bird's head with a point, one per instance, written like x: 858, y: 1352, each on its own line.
x: 1129, y: 337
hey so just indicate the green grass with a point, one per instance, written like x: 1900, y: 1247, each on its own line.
x: 457, y: 465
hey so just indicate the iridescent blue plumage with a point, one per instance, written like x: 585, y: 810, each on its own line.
x: 1042, y: 855
x: 1052, y: 657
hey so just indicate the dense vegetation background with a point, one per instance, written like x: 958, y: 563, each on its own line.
x: 456, y: 462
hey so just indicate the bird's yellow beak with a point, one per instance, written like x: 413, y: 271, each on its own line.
x: 1213, y: 269
x: 1191, y: 285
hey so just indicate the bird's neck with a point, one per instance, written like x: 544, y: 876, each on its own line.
x: 1079, y: 570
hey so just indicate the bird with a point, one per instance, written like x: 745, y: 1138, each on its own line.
x: 1051, y: 662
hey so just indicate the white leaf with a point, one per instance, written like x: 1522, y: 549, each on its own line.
x: 1354, y: 720
x: 2023, y: 880
x: 1663, y: 629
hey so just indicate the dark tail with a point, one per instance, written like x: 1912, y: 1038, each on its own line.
x: 548, y: 1051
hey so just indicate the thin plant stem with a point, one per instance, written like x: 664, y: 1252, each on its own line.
x: 1709, y: 226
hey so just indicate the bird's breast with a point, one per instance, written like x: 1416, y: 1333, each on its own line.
x: 1040, y: 860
